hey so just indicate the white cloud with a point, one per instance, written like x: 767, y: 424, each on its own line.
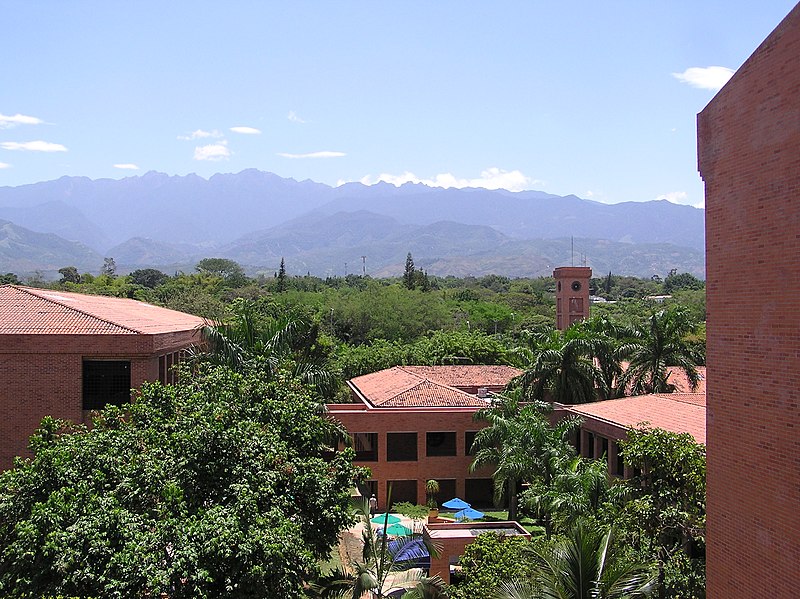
x: 491, y: 178
x: 4, y: 165
x: 127, y: 166
x: 201, y: 134
x: 323, y: 154
x: 705, y: 77
x: 33, y: 146
x: 246, y: 130
x: 18, y: 119
x: 294, y: 118
x: 213, y: 152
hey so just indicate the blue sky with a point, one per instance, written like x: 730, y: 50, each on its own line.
x: 590, y: 98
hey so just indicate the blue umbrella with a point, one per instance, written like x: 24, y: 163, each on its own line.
x: 469, y: 514
x: 456, y: 504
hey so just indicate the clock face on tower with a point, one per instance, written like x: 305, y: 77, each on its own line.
x: 576, y: 285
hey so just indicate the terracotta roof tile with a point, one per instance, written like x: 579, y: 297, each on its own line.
x: 675, y: 412
x: 30, y: 311
x: 430, y: 386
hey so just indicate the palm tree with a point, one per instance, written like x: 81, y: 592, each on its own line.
x: 584, y: 565
x: 384, y: 568
x: 251, y: 341
x: 578, y: 489
x: 655, y: 347
x: 560, y: 368
x: 521, y: 445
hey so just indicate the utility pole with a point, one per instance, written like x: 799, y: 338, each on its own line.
x: 363, y: 266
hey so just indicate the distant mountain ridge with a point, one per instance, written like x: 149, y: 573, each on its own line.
x: 257, y: 217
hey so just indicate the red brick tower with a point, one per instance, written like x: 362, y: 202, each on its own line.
x: 572, y: 295
x: 749, y: 157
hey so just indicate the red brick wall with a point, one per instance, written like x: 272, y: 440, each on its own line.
x: 749, y: 157
x: 421, y: 421
x: 41, y: 375
x: 571, y: 306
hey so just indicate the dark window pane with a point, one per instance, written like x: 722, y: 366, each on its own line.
x: 479, y: 492
x: 401, y: 447
x: 403, y: 490
x: 440, y: 444
x: 106, y: 382
x: 366, y: 446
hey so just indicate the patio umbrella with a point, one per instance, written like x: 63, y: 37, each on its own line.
x: 398, y: 530
x: 381, y: 519
x: 469, y: 514
x: 456, y: 504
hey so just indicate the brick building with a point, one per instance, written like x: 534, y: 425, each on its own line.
x: 605, y: 423
x: 414, y: 423
x: 64, y: 354
x: 749, y: 158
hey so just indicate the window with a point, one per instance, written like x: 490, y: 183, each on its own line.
x: 403, y: 490
x: 166, y: 363
x: 401, y: 447
x: 440, y: 444
x: 479, y: 492
x: 366, y: 447
x: 106, y: 382
x: 447, y: 490
x: 469, y: 439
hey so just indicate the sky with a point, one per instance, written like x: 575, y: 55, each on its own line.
x: 597, y: 99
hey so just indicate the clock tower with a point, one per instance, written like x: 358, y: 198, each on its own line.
x: 572, y: 295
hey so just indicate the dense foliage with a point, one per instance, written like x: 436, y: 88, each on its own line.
x: 211, y: 488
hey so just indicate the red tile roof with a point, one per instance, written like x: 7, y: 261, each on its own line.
x: 30, y: 311
x: 461, y: 376
x: 430, y: 386
x: 675, y: 412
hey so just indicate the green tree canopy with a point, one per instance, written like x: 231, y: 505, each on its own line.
x: 148, y: 277
x: 655, y: 347
x: 212, y: 488
x: 228, y: 270
x: 69, y: 274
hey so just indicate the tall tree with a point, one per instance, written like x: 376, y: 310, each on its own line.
x: 587, y: 564
x: 69, y: 274
x: 251, y: 340
x: 409, y: 277
x: 656, y: 348
x: 560, y: 367
x: 521, y: 445
x: 281, y: 284
x: 148, y: 277
x: 666, y: 517
x: 231, y: 272
x: 109, y: 267
x: 211, y: 488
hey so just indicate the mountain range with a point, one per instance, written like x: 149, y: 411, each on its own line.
x: 257, y: 218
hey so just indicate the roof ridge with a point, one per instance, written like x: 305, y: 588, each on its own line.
x: 29, y: 291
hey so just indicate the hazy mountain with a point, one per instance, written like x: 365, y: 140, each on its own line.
x: 23, y: 251
x: 324, y: 245
x: 256, y: 218
x: 535, y: 215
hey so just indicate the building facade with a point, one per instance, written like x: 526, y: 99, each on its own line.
x: 572, y: 295
x: 749, y: 158
x: 410, y: 424
x: 64, y: 354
